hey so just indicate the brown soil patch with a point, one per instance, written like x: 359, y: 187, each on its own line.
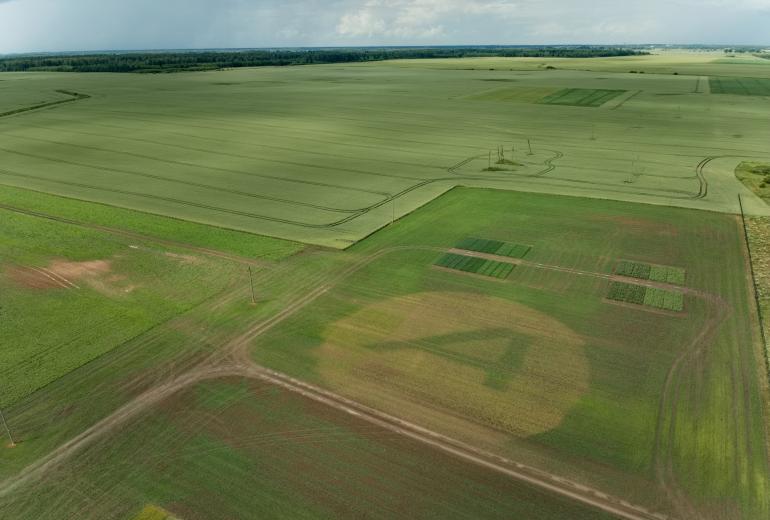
x: 487, y: 359
x: 30, y: 278
x: 77, y: 270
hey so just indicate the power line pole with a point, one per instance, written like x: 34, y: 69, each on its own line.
x: 7, y: 430
x: 251, y: 281
x: 530, y: 147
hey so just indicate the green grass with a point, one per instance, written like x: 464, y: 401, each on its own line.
x: 171, y: 229
x: 475, y: 265
x: 540, y: 367
x: 56, y: 328
x: 282, y: 457
x: 580, y: 97
x: 740, y: 86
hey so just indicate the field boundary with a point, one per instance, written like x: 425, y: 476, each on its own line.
x: 755, y: 289
x: 138, y: 236
x: 76, y: 97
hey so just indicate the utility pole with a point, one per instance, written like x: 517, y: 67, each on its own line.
x: 530, y: 147
x: 251, y: 281
x: 7, y: 430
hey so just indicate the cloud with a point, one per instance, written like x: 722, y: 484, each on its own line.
x: 420, y: 19
x: 55, y: 25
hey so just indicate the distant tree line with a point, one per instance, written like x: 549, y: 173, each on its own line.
x: 154, y: 62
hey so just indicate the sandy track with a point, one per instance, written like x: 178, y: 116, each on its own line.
x: 233, y: 359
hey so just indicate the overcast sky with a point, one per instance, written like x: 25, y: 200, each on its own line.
x: 57, y: 25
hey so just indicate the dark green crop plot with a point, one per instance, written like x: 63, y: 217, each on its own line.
x: 656, y: 273
x: 626, y: 292
x: 740, y: 86
x: 581, y: 97
x: 493, y: 247
x: 471, y: 264
x: 480, y: 244
x: 649, y: 296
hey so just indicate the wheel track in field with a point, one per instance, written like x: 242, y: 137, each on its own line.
x: 233, y: 359
x: 183, y: 182
x: 352, y: 214
x: 75, y: 96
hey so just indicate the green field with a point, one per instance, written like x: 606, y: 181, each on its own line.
x: 656, y: 273
x: 495, y: 247
x: 581, y: 97
x: 328, y: 154
x: 453, y: 268
x: 740, y: 86
x: 470, y: 264
x: 233, y: 448
x: 69, y: 295
x: 540, y: 366
x: 650, y: 296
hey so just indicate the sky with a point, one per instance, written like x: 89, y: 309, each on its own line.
x: 77, y: 25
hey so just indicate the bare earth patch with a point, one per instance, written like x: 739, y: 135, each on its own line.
x: 30, y: 278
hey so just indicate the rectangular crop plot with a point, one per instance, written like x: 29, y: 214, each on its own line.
x: 470, y: 264
x: 740, y: 86
x: 649, y: 296
x: 494, y: 247
x: 663, y: 299
x: 581, y: 97
x: 656, y: 273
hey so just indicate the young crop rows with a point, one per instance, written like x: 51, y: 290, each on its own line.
x: 740, y: 86
x: 581, y: 97
x: 656, y: 273
x: 649, y: 296
x: 470, y: 264
x: 493, y: 247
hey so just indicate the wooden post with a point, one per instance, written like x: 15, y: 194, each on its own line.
x: 7, y: 430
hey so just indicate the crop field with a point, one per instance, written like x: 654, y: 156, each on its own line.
x: 495, y: 247
x: 581, y: 97
x: 233, y: 448
x: 328, y: 154
x: 650, y: 296
x: 740, y: 86
x: 539, y: 366
x: 656, y: 273
x: 451, y: 288
x: 470, y: 264
x: 69, y: 295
